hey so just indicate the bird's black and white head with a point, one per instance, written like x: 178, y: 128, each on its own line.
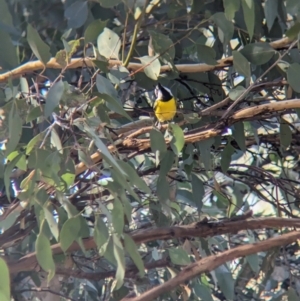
x: 163, y: 93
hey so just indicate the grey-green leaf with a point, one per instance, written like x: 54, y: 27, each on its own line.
x: 249, y: 15
x: 77, y: 14
x: 241, y: 64
x: 132, y: 250
x: 239, y: 135
x: 109, y: 44
x: 198, y: 191
x: 8, y: 58
x: 4, y: 280
x: 157, y: 141
x: 118, y: 216
x: 151, y: 66
x: 14, y: 129
x: 225, y: 26
x: 40, y: 49
x: 293, y: 75
x: 226, y: 156
x: 285, y: 134
x: 94, y: 30
x: 231, y: 7
x: 258, y: 53
x: 120, y: 258
x: 163, y: 46
x: 53, y: 97
x: 206, y: 55
x: 177, y: 142
x: 225, y: 281
x: 44, y: 253
x: 69, y: 232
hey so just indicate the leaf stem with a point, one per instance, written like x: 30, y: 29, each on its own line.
x: 133, y: 41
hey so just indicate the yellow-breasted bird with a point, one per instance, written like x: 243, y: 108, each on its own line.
x: 165, y: 104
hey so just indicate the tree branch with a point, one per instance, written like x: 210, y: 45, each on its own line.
x: 88, y: 62
x: 198, y: 229
x: 210, y: 263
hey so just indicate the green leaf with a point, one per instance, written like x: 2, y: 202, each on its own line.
x: 198, y: 191
x: 51, y: 221
x: 5, y: 15
x: 101, y: 234
x: 69, y: 232
x: 293, y: 32
x: 258, y: 53
x: 109, y: 44
x: 53, y: 97
x: 40, y: 49
x: 241, y: 64
x: 203, y: 291
x: 14, y: 129
x: 109, y: 3
x: 206, y: 55
x: 151, y: 66
x: 225, y: 281
x: 177, y: 142
x: 44, y: 253
x: 271, y: 12
x: 77, y: 14
x: 120, y: 258
x: 226, y: 156
x: 249, y: 15
x: 93, y: 30
x: 226, y: 28
x: 166, y: 163
x: 253, y: 261
x: 34, y: 141
x: 162, y: 46
x: 132, y: 250
x: 285, y: 135
x: 239, y: 135
x: 293, y: 75
x: 293, y: 7
x: 231, y: 7
x: 4, y: 280
x: 133, y: 177
x: 8, y: 58
x: 55, y: 140
x: 179, y: 256
x: 236, y: 92
x: 110, y: 95
x: 162, y: 188
x: 118, y: 216
x: 7, y: 173
x: 205, y: 151
x: 157, y: 142
x: 292, y: 294
x: 34, y: 114
x: 8, y: 221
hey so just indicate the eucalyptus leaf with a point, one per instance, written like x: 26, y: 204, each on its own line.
x: 4, y: 280
x: 37, y: 45
x: 77, y: 13
x: 53, y: 97
x: 109, y: 44
x: 249, y: 14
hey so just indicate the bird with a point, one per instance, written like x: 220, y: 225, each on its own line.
x: 165, y: 104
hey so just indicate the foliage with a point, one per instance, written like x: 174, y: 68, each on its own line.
x: 97, y: 203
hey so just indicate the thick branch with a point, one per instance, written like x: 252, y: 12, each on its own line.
x: 29, y: 262
x: 212, y: 262
x: 135, y: 67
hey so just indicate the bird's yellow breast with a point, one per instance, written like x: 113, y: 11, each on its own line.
x: 165, y: 110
